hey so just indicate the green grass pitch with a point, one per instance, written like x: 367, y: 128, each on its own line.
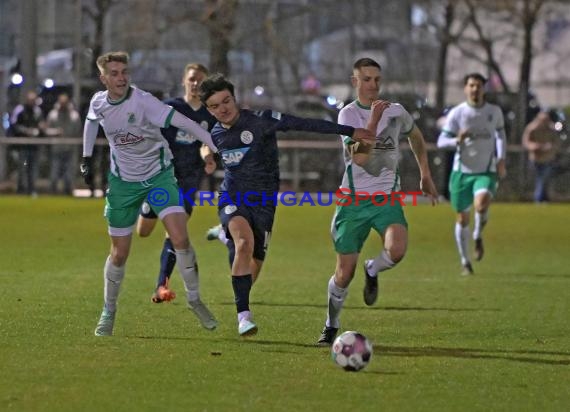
x: 497, y: 341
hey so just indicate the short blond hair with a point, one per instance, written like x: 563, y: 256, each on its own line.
x: 115, y: 56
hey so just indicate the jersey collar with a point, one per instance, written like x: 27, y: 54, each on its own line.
x: 362, y: 106
x: 122, y: 99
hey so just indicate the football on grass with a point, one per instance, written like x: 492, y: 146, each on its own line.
x: 351, y: 351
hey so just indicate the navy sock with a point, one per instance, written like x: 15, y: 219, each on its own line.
x: 231, y: 259
x: 242, y: 286
x: 231, y: 251
x: 167, y: 262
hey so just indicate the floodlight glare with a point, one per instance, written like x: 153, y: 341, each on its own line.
x: 17, y: 79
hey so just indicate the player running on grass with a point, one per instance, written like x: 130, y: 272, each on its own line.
x: 141, y: 167
x: 476, y: 130
x: 247, y: 143
x: 191, y: 159
x: 371, y: 168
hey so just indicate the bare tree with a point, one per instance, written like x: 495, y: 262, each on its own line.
x: 446, y: 38
x: 528, y: 16
x: 440, y: 17
x: 219, y: 17
x: 523, y: 16
x: 485, y: 41
x: 29, y: 47
x: 279, y: 46
x: 97, y: 10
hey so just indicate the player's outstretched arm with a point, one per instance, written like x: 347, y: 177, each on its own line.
x: 191, y: 127
x: 364, y: 136
x: 285, y: 122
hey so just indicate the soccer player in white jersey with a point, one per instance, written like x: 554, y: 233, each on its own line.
x: 475, y: 129
x: 371, y: 169
x: 141, y: 169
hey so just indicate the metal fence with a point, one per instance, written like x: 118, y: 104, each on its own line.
x: 306, y: 165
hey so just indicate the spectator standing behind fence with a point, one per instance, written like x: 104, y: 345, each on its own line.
x: 63, y: 121
x: 27, y: 121
x: 542, y: 142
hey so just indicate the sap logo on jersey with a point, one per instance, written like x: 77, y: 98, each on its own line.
x: 233, y: 157
x: 184, y: 138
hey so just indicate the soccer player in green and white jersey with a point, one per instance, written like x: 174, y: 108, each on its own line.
x: 476, y: 130
x: 370, y: 169
x: 141, y: 169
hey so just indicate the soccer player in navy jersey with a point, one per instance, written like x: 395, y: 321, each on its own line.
x: 191, y: 159
x: 247, y: 143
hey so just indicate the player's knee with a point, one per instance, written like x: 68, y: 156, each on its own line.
x: 344, y: 274
x: 396, y: 254
x: 398, y: 257
x: 463, y: 219
x: 244, y: 247
x: 143, y: 232
x: 180, y: 242
x: 343, y: 278
x: 119, y: 258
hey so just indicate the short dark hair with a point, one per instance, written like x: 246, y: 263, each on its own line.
x: 366, y: 62
x: 476, y: 76
x: 213, y: 84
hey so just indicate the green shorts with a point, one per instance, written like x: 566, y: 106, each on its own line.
x: 463, y: 188
x: 124, y: 199
x: 351, y: 224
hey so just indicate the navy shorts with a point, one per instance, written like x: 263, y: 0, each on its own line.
x: 260, y: 219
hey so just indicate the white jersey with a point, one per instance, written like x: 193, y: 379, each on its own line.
x: 486, y: 142
x: 132, y: 127
x: 380, y: 173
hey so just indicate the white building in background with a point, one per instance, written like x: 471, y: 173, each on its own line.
x: 324, y: 43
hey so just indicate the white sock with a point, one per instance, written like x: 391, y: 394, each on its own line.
x: 462, y: 241
x: 336, y: 300
x: 380, y: 263
x: 480, y: 221
x: 113, y: 276
x: 246, y: 314
x: 186, y: 262
x: 222, y: 236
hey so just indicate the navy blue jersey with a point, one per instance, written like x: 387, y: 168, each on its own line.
x: 249, y: 152
x: 184, y: 147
